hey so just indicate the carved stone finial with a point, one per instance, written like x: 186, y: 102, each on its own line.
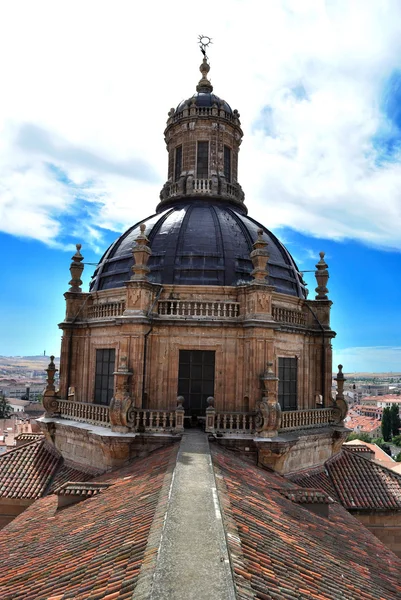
x: 141, y: 253
x: 76, y: 269
x: 50, y: 402
x: 210, y: 401
x: 268, y: 410
x: 204, y: 84
x: 322, y: 277
x: 180, y: 401
x: 259, y: 257
x: 122, y: 410
x: 340, y: 402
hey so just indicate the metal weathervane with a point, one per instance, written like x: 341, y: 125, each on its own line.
x: 204, y: 42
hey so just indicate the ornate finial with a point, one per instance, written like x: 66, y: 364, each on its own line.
x: 76, y: 271
x: 204, y: 84
x: 340, y: 403
x: 50, y: 401
x: 322, y: 277
x: 204, y: 42
x: 259, y: 257
x: 141, y: 253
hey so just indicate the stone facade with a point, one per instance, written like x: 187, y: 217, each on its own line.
x: 248, y: 327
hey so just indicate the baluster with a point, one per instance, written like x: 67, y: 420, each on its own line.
x: 231, y: 421
x: 157, y: 419
x: 164, y: 420
x: 224, y: 421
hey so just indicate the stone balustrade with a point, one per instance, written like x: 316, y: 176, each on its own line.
x: 106, y: 310
x: 141, y: 419
x: 203, y: 111
x: 306, y: 419
x: 234, y: 422
x: 287, y: 316
x: 96, y: 414
x: 202, y: 186
x: 201, y: 308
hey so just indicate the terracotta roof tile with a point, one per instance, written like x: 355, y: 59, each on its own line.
x: 358, y: 482
x: 316, y: 478
x: 280, y: 550
x: 26, y: 471
x: 34, y: 469
x: 363, y: 484
x: 91, y: 550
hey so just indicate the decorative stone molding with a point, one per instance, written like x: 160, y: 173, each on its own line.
x: 121, y: 402
x: 259, y: 257
x: 141, y: 253
x: 322, y: 277
x: 50, y: 400
x: 268, y: 410
x: 341, y: 406
x: 76, y: 269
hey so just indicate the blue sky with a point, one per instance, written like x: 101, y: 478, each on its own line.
x: 86, y: 91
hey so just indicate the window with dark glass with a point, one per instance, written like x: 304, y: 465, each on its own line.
x: 202, y: 160
x: 287, y: 385
x: 104, y: 378
x: 178, y: 163
x: 196, y: 379
x: 227, y: 163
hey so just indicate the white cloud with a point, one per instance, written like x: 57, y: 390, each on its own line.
x: 371, y: 359
x: 86, y: 87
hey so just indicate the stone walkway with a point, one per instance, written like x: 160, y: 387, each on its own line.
x: 193, y: 559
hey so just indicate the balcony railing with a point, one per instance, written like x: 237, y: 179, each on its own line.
x: 201, y: 308
x: 152, y: 420
x: 305, y: 419
x: 106, y: 310
x: 95, y: 414
x: 202, y: 186
x: 235, y: 422
x: 287, y: 316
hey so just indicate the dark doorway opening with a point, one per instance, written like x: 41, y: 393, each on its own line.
x: 196, y: 380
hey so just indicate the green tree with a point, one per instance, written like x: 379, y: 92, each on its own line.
x: 364, y: 437
x: 398, y: 457
x: 395, y: 419
x: 5, y: 408
x: 396, y: 440
x: 386, y: 424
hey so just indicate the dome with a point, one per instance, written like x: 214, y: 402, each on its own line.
x: 205, y: 100
x: 199, y: 242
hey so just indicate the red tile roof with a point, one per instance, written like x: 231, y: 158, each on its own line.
x: 358, y: 482
x: 94, y: 549
x: 281, y: 551
x: 29, y: 471
x: 363, y: 484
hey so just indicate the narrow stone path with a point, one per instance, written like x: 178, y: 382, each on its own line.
x: 193, y: 559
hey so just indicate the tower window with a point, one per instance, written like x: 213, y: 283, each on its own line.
x: 104, y: 378
x: 227, y: 163
x: 178, y: 163
x: 287, y: 385
x: 202, y: 160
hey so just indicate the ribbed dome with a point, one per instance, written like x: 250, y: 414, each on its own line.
x: 204, y: 99
x: 199, y: 243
